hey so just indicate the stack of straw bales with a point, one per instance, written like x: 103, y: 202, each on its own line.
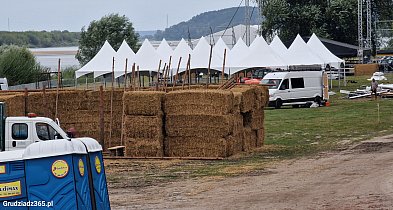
x: 199, y: 123
x: 250, y: 102
x: 143, y: 124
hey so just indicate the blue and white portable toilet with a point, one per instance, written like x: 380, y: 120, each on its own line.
x: 57, y: 175
x: 12, y: 180
x: 100, y: 188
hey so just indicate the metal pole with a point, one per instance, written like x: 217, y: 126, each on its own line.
x: 57, y: 89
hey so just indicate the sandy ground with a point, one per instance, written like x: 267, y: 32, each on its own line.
x: 357, y: 178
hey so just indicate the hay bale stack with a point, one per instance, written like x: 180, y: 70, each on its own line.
x: 252, y: 101
x: 195, y: 147
x: 199, y: 123
x: 143, y: 103
x: 199, y: 102
x: 15, y: 104
x: 143, y: 124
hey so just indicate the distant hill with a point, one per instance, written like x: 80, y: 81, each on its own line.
x: 200, y: 24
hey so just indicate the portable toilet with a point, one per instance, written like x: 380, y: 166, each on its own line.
x: 97, y: 170
x: 12, y: 180
x: 57, y: 175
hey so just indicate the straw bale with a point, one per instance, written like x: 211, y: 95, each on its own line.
x: 237, y: 101
x: 15, y: 104
x: 147, y: 103
x: 199, y: 125
x: 234, y: 144
x: 260, y: 137
x: 195, y: 147
x: 262, y: 96
x: 148, y: 127
x: 140, y: 147
x: 249, y: 139
x: 365, y: 69
x: 247, y: 99
x: 199, y: 102
x: 255, y: 119
x: 238, y: 124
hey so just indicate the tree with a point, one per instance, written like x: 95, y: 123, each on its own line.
x: 19, y: 65
x: 113, y: 28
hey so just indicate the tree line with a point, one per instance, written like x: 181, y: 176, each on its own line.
x: 40, y: 39
x: 332, y: 19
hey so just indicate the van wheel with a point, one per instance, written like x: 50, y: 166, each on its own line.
x: 278, y: 104
x: 318, y: 100
x: 296, y: 106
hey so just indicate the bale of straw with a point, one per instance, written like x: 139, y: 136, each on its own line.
x: 237, y: 124
x: 248, y: 99
x: 148, y: 103
x: 234, y: 144
x: 237, y: 101
x: 195, y: 147
x: 262, y: 96
x: 140, y: 147
x: 249, y: 139
x: 199, y: 125
x: 199, y: 102
x: 254, y: 119
x: 260, y: 137
x: 15, y: 104
x: 146, y: 127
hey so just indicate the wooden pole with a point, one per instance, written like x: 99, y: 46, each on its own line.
x: 223, y: 66
x: 44, y: 101
x: 112, y: 89
x: 101, y: 113
x: 139, y: 77
x: 189, y: 71
x: 158, y: 74
x: 210, y: 63
x: 167, y: 73
x: 177, y: 73
x: 26, y: 95
x: 133, y: 77
x: 125, y: 75
x: 57, y: 89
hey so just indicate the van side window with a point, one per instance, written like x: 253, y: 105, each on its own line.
x: 297, y: 83
x: 45, y: 131
x: 285, y: 84
x: 19, y: 131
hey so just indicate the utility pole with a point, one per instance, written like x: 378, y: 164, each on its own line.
x: 247, y: 22
x: 9, y: 25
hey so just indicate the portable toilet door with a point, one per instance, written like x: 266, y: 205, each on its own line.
x: 97, y: 170
x: 12, y: 180
x: 56, y: 175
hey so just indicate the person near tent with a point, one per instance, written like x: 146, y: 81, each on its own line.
x: 374, y: 87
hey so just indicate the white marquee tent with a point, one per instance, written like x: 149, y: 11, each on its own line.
x: 201, y: 54
x: 124, y: 52
x: 182, y: 50
x: 147, y: 58
x: 300, y: 54
x: 240, y: 49
x: 319, y: 48
x: 164, y: 51
x: 278, y: 47
x: 100, y: 64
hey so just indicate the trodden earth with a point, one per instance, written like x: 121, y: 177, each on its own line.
x: 359, y: 177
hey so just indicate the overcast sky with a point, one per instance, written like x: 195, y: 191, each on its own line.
x: 72, y: 15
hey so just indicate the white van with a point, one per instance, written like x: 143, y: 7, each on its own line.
x: 294, y: 88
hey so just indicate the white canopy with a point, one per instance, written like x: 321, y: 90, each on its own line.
x: 164, y: 51
x: 218, y: 51
x: 201, y: 54
x: 237, y: 53
x: 260, y: 55
x: 300, y: 54
x: 182, y: 50
x: 278, y: 47
x: 124, y: 52
x: 319, y: 48
x: 100, y: 64
x: 146, y: 57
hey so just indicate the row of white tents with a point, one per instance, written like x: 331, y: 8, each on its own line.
x: 258, y: 54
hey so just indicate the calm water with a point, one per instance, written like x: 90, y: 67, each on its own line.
x: 49, y: 57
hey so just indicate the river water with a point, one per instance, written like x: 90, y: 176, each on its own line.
x: 49, y: 57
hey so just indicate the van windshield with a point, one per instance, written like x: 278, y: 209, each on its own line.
x: 272, y: 83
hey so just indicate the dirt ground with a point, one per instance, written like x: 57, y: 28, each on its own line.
x: 360, y: 177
